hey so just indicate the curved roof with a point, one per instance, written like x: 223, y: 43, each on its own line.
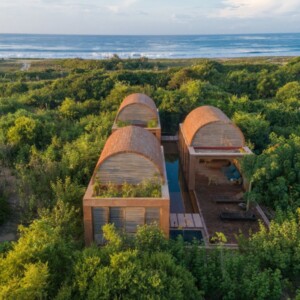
x: 201, y: 117
x: 138, y: 98
x: 133, y: 139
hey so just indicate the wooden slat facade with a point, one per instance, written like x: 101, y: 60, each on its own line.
x: 117, y: 216
x: 124, y: 218
x: 208, y: 127
x: 100, y: 218
x: 134, y: 216
x: 126, y: 167
x: 218, y: 134
x: 136, y: 114
x: 152, y: 215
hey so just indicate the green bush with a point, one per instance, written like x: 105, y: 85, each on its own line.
x: 152, y: 123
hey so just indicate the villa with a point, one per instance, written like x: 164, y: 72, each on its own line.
x: 129, y: 185
x: 138, y: 110
x: 208, y: 142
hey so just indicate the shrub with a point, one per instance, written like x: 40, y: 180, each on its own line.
x: 146, y: 188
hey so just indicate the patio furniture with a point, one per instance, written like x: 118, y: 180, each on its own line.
x: 228, y: 171
x: 225, y: 199
x: 242, y: 205
x: 238, y: 216
x: 213, y: 179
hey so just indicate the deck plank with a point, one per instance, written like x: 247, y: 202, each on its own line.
x: 181, y: 220
x: 173, y: 220
x: 197, y: 220
x: 189, y: 221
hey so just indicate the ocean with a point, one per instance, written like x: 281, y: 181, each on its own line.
x: 171, y: 46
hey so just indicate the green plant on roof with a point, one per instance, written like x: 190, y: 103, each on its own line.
x: 152, y: 123
x: 149, y: 188
x: 121, y: 123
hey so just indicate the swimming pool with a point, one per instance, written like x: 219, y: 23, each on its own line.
x: 188, y: 235
x: 180, y: 201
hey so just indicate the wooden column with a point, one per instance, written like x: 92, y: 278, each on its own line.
x: 192, y: 172
x: 88, y: 225
x: 164, y: 219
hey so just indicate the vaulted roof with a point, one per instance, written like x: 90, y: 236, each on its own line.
x: 202, y: 116
x: 133, y: 139
x: 138, y: 98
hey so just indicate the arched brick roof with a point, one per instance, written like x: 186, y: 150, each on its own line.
x: 140, y: 99
x: 133, y: 139
x: 203, y: 116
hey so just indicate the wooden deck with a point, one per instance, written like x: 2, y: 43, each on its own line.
x: 186, y: 221
x: 210, y: 209
x: 169, y: 138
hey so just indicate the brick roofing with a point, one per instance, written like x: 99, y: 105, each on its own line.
x: 137, y: 140
x: 138, y: 98
x: 200, y: 117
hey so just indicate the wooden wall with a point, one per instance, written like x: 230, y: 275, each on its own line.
x: 218, y: 134
x: 136, y: 114
x: 125, y: 219
x: 126, y: 167
x: 125, y: 213
x: 184, y: 155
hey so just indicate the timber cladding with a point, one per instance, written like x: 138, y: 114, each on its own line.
x: 127, y: 167
x: 131, y: 153
x: 218, y: 134
x: 140, y: 110
x: 209, y: 126
x: 138, y: 98
x: 125, y: 219
x: 137, y: 113
x: 125, y: 213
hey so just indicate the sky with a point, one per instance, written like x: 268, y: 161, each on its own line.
x: 149, y: 16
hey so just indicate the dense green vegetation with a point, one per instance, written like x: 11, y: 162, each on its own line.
x: 5, y: 209
x: 54, y: 121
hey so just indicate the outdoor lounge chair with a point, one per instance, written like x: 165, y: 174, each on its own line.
x: 228, y: 171
x: 225, y: 199
x: 238, y: 216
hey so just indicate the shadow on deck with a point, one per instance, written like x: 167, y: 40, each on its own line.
x: 209, y: 191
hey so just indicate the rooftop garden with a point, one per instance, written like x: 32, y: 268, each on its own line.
x: 145, y: 189
x: 150, y: 124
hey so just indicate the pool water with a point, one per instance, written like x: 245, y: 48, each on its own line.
x: 188, y: 235
x: 179, y: 196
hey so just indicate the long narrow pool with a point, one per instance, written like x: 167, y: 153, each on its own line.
x: 180, y: 201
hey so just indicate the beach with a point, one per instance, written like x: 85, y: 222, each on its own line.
x: 150, y: 46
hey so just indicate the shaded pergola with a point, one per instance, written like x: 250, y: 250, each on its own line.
x: 207, y: 135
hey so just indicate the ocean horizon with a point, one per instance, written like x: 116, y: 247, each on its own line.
x: 151, y: 46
